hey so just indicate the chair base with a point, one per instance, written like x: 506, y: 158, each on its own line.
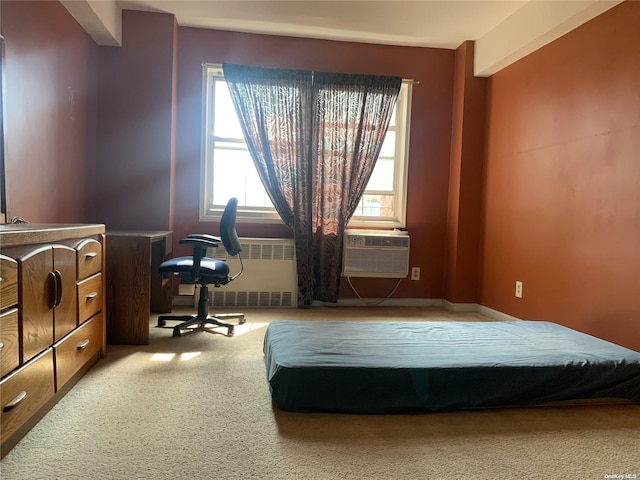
x: 202, y: 319
x: 202, y: 323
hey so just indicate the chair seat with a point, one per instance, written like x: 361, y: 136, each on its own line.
x: 209, y: 267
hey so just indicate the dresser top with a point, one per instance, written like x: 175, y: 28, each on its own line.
x: 31, y: 233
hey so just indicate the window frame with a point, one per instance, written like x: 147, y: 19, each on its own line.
x: 401, y: 167
x: 210, y: 212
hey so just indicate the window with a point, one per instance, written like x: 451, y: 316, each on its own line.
x: 228, y: 170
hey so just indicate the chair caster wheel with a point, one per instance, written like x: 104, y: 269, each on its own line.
x: 176, y: 332
x: 230, y: 332
x: 161, y: 323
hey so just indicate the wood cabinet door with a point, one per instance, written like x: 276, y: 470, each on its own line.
x: 37, y: 285
x: 65, y: 313
x: 10, y: 350
x: 8, y: 282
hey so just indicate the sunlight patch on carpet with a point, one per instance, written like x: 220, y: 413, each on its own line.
x: 248, y: 327
x: 167, y: 357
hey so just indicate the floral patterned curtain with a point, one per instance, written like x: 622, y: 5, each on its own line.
x: 314, y: 138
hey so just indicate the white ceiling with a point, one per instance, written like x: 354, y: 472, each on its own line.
x: 504, y: 30
x: 443, y: 24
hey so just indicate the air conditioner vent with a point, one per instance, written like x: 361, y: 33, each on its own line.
x: 379, y: 254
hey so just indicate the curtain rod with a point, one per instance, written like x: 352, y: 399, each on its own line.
x: 411, y: 80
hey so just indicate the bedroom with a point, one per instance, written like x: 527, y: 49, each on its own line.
x: 536, y: 181
x: 564, y: 222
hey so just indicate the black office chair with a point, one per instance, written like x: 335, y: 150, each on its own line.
x: 202, y: 270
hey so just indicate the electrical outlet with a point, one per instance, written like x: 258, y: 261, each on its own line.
x: 415, y: 273
x: 518, y: 289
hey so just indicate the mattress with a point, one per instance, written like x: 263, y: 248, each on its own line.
x: 385, y: 367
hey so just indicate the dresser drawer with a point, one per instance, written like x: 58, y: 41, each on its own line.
x: 90, y: 297
x: 73, y: 351
x: 89, y: 258
x: 8, y: 282
x: 25, y: 391
x: 9, y: 353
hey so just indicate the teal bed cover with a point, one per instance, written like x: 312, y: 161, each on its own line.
x: 385, y: 367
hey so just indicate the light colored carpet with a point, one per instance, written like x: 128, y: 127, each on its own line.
x: 198, y: 407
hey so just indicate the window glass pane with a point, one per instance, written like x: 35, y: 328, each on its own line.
x: 234, y: 175
x: 392, y: 122
x: 382, y: 176
x: 389, y: 144
x: 256, y: 195
x: 375, y: 206
x: 225, y: 122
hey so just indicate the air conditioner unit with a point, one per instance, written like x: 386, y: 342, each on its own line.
x: 377, y: 254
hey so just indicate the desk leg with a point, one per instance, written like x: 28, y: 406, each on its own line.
x: 128, y: 290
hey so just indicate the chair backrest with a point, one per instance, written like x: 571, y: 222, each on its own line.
x: 228, y: 233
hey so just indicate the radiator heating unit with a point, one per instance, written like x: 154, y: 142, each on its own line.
x: 375, y: 254
x: 269, y: 278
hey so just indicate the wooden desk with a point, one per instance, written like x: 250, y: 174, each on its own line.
x: 134, y: 286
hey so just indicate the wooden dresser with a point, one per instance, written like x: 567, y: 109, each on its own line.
x: 52, y: 309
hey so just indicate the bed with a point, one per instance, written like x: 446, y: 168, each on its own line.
x: 387, y: 367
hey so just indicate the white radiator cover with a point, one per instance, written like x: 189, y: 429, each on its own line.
x: 375, y: 254
x: 269, y: 278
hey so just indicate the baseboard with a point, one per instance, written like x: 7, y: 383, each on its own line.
x: 495, y: 314
x: 460, y: 307
x: 389, y: 302
x: 188, y: 301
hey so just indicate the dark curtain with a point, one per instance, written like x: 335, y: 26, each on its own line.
x: 314, y: 138
x: 350, y: 118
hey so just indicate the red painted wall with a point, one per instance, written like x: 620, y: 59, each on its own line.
x: 563, y: 181
x: 430, y: 133
x: 51, y: 89
x: 136, y: 124
x: 465, y: 180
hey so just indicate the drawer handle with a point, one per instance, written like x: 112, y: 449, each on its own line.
x: 92, y: 295
x: 83, y: 344
x: 1, y: 345
x: 14, y: 403
x: 90, y: 255
x: 58, y: 276
x: 53, y: 289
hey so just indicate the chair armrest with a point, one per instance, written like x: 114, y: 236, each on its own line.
x: 204, y: 236
x: 199, y: 243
